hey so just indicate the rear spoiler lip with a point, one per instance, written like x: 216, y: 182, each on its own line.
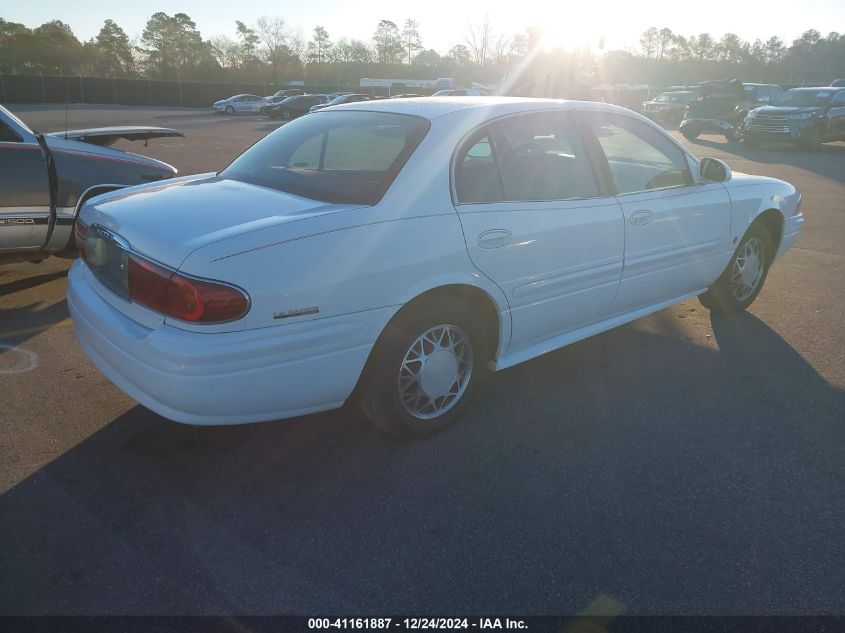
x: 107, y: 136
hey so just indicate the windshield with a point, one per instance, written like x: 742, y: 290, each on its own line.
x: 11, y: 116
x: 805, y: 98
x: 341, y: 157
x: 675, y: 97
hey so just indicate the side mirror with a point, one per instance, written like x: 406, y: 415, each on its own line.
x: 714, y: 170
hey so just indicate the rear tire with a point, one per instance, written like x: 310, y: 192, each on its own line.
x: 424, y: 369
x: 744, y: 276
x: 286, y: 115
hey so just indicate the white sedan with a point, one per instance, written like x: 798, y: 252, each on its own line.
x: 393, y: 251
x: 241, y: 103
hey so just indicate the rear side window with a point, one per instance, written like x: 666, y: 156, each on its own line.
x: 342, y: 157
x: 532, y: 157
x: 639, y: 157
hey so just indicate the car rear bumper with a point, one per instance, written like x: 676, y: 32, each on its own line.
x: 224, y: 378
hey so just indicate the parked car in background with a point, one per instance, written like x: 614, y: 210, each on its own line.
x: 669, y: 107
x: 394, y: 251
x: 806, y: 117
x: 723, y: 106
x: 280, y: 96
x: 240, y: 103
x: 295, y: 106
x: 45, y: 178
x: 457, y: 92
x: 345, y: 98
x: 407, y: 95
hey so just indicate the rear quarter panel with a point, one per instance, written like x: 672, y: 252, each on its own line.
x: 341, y: 271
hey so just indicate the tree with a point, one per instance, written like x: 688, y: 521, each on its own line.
x: 114, y: 51
x: 319, y: 48
x: 427, y: 58
x: 353, y: 51
x: 388, y: 43
x: 774, y: 50
x: 411, y: 41
x: 226, y: 51
x: 731, y: 48
x: 459, y: 55
x: 248, y: 43
x: 57, y: 49
x: 664, y: 39
x: 174, y: 46
x: 478, y: 40
x: 18, y: 49
x: 703, y: 47
x: 648, y: 42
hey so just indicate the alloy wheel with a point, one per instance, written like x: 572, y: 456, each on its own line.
x: 435, y: 371
x: 748, y: 268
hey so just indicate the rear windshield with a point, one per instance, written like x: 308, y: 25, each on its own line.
x: 341, y: 157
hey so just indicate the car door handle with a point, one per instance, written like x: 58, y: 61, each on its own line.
x: 641, y: 218
x: 494, y: 238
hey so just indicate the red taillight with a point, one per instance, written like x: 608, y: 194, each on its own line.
x: 172, y: 294
x: 79, y: 233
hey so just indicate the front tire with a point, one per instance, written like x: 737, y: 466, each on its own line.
x: 424, y: 369
x: 286, y: 114
x: 743, y: 278
x: 230, y: 110
x: 812, y: 142
x: 690, y: 133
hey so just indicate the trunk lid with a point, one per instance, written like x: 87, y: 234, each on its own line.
x: 167, y: 221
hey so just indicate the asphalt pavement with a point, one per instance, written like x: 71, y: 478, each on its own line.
x: 682, y: 464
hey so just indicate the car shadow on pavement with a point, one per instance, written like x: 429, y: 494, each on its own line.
x: 30, y: 282
x: 677, y: 476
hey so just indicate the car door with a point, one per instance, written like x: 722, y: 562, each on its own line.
x: 836, y: 116
x: 536, y: 223
x: 677, y: 230
x: 25, y: 199
x: 241, y: 104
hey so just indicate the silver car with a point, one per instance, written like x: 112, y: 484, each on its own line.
x: 241, y: 103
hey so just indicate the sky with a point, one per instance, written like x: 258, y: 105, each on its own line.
x: 443, y: 23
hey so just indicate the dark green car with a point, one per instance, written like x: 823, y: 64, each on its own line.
x: 806, y: 117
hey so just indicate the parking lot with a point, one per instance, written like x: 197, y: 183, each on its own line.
x: 680, y: 464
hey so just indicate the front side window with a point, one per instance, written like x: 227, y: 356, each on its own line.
x: 639, y: 157
x: 341, y: 157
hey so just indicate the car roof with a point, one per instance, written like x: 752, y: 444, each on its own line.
x: 433, y: 107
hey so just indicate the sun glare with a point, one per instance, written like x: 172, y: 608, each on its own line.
x: 571, y: 35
